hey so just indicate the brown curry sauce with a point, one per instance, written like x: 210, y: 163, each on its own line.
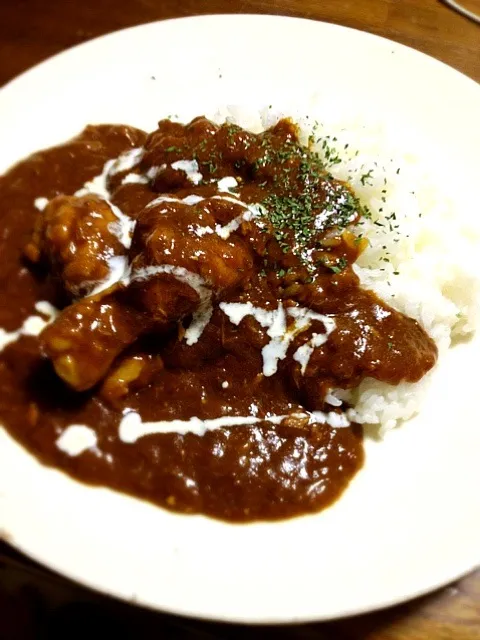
x: 244, y: 473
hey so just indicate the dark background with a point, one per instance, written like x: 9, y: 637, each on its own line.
x: 35, y: 603
x: 31, y: 30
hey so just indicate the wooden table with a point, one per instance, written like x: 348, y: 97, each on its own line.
x: 32, y: 599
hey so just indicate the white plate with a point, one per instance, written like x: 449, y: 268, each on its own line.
x: 410, y: 521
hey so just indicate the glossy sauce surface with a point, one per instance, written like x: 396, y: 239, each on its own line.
x: 293, y: 253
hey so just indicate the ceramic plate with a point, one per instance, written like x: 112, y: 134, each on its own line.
x: 410, y: 520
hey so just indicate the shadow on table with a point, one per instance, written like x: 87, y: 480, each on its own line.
x: 37, y: 604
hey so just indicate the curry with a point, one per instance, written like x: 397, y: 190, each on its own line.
x: 208, y: 313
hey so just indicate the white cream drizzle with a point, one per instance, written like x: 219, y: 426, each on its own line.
x: 303, y: 353
x: 190, y: 168
x: 227, y: 184
x: 32, y: 326
x: 42, y: 306
x: 97, y: 185
x: 76, y: 439
x: 40, y: 203
x: 380, y: 313
x: 332, y: 399
x: 132, y: 428
x: 154, y: 171
x: 200, y: 319
x: 118, y: 268
x: 275, y: 321
x: 127, y: 160
x: 252, y: 211
x: 135, y: 178
x: 202, y: 315
x: 190, y: 200
x: 200, y: 231
x: 123, y: 229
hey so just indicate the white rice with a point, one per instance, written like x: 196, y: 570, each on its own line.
x: 421, y: 261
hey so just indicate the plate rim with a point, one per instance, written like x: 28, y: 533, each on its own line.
x: 179, y: 611
x: 229, y: 16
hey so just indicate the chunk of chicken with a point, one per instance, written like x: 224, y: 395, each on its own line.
x: 133, y: 371
x: 180, y: 237
x: 175, y: 271
x: 77, y: 238
x: 88, y: 335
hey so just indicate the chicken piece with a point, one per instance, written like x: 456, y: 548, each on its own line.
x: 88, y: 335
x: 77, y: 237
x: 370, y: 339
x: 181, y: 238
x: 175, y: 271
x: 132, y: 372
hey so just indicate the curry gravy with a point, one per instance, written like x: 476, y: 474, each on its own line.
x: 227, y: 235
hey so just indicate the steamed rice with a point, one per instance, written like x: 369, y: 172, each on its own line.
x: 421, y: 253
